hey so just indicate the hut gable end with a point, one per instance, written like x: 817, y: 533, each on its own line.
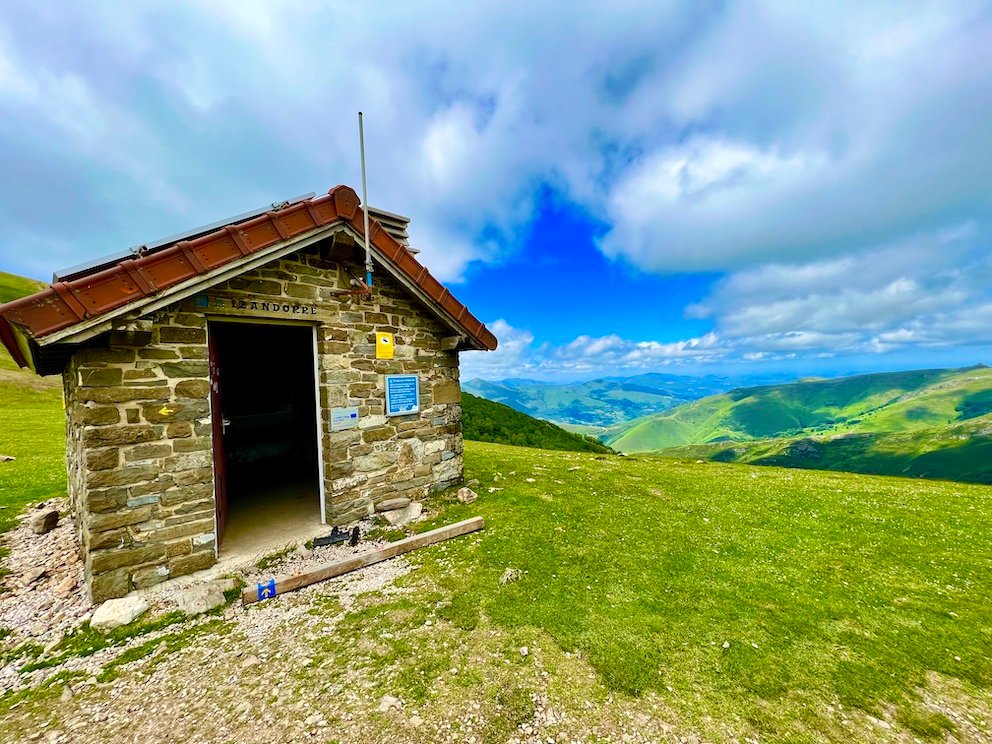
x: 144, y: 432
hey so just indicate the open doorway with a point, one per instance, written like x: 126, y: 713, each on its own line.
x: 266, y: 456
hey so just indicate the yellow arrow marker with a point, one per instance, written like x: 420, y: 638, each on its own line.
x: 165, y: 410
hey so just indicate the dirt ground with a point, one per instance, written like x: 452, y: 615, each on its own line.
x: 284, y: 670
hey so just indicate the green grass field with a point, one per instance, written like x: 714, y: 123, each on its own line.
x: 829, y: 587
x: 13, y: 286
x: 32, y: 429
x: 743, y: 602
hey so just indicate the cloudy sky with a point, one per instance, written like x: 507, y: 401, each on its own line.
x: 756, y: 188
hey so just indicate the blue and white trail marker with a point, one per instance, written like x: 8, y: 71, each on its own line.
x: 267, y: 591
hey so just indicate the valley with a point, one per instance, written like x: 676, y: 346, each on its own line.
x: 933, y: 423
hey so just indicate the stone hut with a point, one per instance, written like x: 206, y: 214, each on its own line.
x: 244, y: 380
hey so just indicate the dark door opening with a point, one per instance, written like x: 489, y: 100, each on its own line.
x: 265, y: 429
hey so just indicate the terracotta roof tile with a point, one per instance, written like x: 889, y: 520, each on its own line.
x: 90, y: 295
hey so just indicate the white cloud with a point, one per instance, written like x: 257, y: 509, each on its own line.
x: 897, y: 294
x: 916, y: 297
x: 585, y: 356
x: 776, y: 142
x: 824, y: 127
x: 706, y: 138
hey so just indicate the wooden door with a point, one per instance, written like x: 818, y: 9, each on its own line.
x: 218, y: 429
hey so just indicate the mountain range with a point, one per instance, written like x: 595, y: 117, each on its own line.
x: 881, y: 402
x: 922, y: 423
x: 592, y: 406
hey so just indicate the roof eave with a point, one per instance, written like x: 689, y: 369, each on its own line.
x: 196, y: 284
x: 17, y: 344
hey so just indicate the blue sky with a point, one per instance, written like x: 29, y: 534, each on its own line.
x: 741, y: 188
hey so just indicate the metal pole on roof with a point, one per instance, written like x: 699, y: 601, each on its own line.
x: 365, y: 202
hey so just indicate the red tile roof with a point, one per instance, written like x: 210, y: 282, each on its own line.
x: 90, y: 295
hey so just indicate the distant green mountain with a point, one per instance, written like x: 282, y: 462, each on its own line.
x: 926, y: 423
x: 961, y: 452
x: 597, y: 403
x: 486, y: 421
x: 876, y: 403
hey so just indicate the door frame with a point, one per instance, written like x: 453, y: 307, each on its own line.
x: 214, y: 319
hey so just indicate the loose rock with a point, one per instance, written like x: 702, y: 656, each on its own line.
x: 201, y: 598
x: 510, y: 574
x: 117, y: 612
x: 467, y: 495
x: 34, y: 574
x: 250, y: 661
x: 399, y: 517
x: 44, y: 521
x: 389, y: 703
x: 393, y: 504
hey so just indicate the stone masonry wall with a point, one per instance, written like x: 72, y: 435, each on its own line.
x: 139, y: 445
x: 140, y: 469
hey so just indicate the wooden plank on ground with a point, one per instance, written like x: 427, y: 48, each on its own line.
x: 355, y: 562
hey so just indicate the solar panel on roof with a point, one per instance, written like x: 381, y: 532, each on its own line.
x: 106, y: 262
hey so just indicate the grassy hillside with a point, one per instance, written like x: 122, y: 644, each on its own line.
x: 665, y: 599
x: 597, y: 403
x: 760, y: 597
x: 885, y: 402
x: 486, y: 421
x: 32, y: 428
x: 961, y: 452
x: 12, y: 286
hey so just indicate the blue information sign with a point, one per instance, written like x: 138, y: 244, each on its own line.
x: 267, y: 591
x: 402, y: 395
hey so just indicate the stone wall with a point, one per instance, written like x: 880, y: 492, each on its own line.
x: 139, y: 445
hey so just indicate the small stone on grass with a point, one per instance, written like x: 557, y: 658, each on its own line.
x: 467, y: 495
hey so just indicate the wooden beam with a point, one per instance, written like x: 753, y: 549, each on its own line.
x: 355, y: 562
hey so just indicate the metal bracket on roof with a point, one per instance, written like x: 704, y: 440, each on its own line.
x: 363, y: 288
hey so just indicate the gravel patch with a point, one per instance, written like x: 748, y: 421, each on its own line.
x: 43, y: 597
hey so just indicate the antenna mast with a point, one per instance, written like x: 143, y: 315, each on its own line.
x: 365, y: 202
